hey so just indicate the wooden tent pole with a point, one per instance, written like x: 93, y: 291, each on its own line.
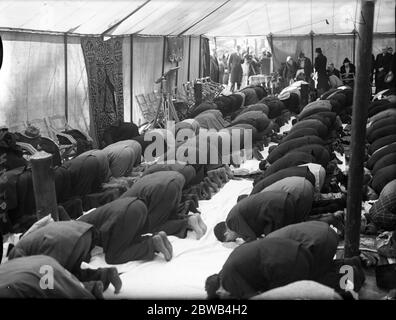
x: 361, y: 98
x: 200, y: 57
x: 66, y: 77
x: 312, y: 46
x: 354, y: 46
x: 163, y: 54
x: 44, y: 185
x: 189, y: 58
x: 131, y: 80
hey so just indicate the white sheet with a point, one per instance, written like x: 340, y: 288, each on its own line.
x: 193, y: 261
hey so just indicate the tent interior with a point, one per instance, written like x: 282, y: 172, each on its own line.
x: 56, y: 52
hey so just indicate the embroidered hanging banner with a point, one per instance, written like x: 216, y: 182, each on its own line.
x: 103, y: 60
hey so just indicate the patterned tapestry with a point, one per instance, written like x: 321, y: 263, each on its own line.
x: 103, y: 60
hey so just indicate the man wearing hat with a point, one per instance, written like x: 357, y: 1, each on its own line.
x: 320, y: 69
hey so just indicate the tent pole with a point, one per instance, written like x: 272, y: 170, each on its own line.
x: 66, y: 78
x: 163, y: 55
x: 189, y: 58
x: 131, y: 75
x: 361, y: 97
x: 312, y: 46
x: 200, y: 57
x: 354, y: 46
x: 271, y: 43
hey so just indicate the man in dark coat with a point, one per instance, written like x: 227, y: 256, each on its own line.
x: 260, y: 266
x: 214, y: 67
x: 70, y: 243
x: 22, y: 277
x: 235, y: 65
x: 316, y: 236
x: 258, y: 214
x: 320, y: 68
x: 121, y: 224
x: 161, y: 192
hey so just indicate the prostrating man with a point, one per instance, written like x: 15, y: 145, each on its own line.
x: 300, y: 185
x: 318, y: 238
x: 22, y: 277
x: 259, y: 266
x: 123, y: 156
x: 161, y: 192
x: 291, y: 145
x: 258, y: 215
x: 70, y: 243
x: 383, y: 211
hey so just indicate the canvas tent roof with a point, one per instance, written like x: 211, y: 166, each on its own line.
x: 192, y: 17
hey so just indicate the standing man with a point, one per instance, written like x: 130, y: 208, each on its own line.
x: 214, y: 67
x: 382, y: 67
x: 305, y: 65
x: 265, y: 62
x: 290, y: 71
x: 235, y: 66
x: 320, y: 69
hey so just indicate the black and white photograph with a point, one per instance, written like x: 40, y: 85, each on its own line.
x: 197, y: 155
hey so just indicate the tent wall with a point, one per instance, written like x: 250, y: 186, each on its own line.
x: 289, y: 46
x: 78, y: 99
x: 32, y: 77
x: 195, y: 58
x: 335, y: 47
x: 147, y: 66
x: 380, y: 41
